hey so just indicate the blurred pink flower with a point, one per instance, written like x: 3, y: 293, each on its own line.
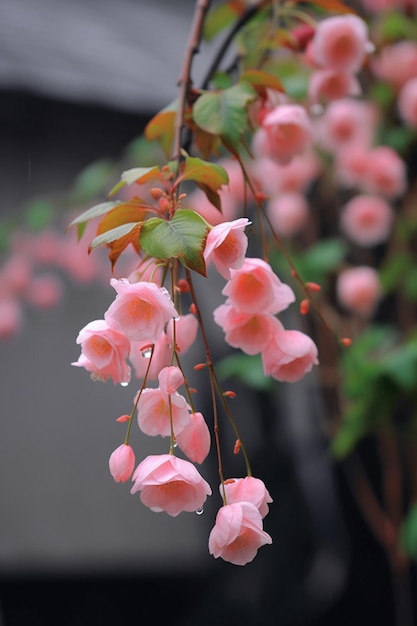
x: 238, y: 533
x: 288, y: 213
x: 326, y: 85
x: 396, y: 63
x: 385, y: 172
x: 341, y: 43
x: 367, y: 220
x: 167, y: 483
x: 359, y: 290
x: 285, y: 132
x: 407, y: 103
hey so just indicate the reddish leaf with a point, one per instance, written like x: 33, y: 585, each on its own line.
x: 259, y: 78
x: 161, y: 128
x: 122, y: 214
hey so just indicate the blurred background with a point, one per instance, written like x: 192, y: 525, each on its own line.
x: 79, y: 79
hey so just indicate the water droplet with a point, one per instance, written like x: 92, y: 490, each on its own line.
x: 316, y: 109
x: 147, y: 353
x: 124, y: 384
x: 199, y: 511
x: 175, y: 445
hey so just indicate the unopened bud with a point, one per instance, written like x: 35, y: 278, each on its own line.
x: 304, y: 307
x: 199, y: 366
x: 313, y: 286
x: 346, y: 341
x: 183, y: 286
x: 123, y: 418
x: 230, y: 394
x: 236, y: 448
x: 193, y: 309
x: 156, y: 193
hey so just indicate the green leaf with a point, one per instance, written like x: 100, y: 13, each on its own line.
x: 95, y: 211
x: 92, y: 180
x: 210, y: 177
x: 112, y: 235
x: 181, y: 238
x: 247, y: 369
x: 137, y: 175
x: 408, y: 533
x: 224, y: 113
x: 39, y: 214
x: 221, y: 17
x: 401, y: 365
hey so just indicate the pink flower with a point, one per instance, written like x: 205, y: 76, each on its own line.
x: 407, y: 103
x: 385, y: 172
x: 396, y: 63
x: 286, y: 131
x: 254, y: 288
x: 154, y: 408
x: 250, y: 332
x: 194, y: 440
x: 139, y: 357
x: 11, y: 318
x: 140, y: 310
x: 44, y: 291
x: 289, y: 356
x: 297, y: 175
x: 248, y: 489
x: 359, y: 290
x: 326, y: 85
x: 122, y: 463
x: 186, y: 327
x: 341, y: 43
x: 104, y: 352
x: 288, y: 213
x: 226, y: 246
x: 346, y: 122
x: 367, y: 220
x: 170, y: 378
x: 237, y: 534
x: 170, y: 484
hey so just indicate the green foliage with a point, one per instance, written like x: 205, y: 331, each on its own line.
x: 92, y: 180
x: 408, y: 533
x: 224, y: 113
x: 183, y: 237
x: 39, y: 214
x: 245, y: 368
x: 221, y: 17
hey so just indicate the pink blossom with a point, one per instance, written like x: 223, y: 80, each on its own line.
x: 385, y: 172
x: 104, y: 352
x: 289, y: 356
x: 341, y: 43
x: 367, y: 220
x: 297, y: 175
x: 170, y: 378
x: 11, y: 317
x: 407, y: 103
x: 186, y: 327
x: 250, y: 332
x: 122, y: 463
x: 396, y: 63
x: 226, y: 246
x: 237, y: 534
x: 16, y: 273
x: 154, y: 409
x: 195, y: 439
x: 286, y: 131
x: 326, y: 85
x: 248, y: 489
x: 140, y: 310
x: 346, y: 122
x: 359, y: 290
x: 288, y: 213
x: 44, y: 291
x: 350, y: 165
x: 255, y: 288
x: 170, y: 484
x: 140, y: 353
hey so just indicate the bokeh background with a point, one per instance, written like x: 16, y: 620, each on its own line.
x: 79, y: 79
